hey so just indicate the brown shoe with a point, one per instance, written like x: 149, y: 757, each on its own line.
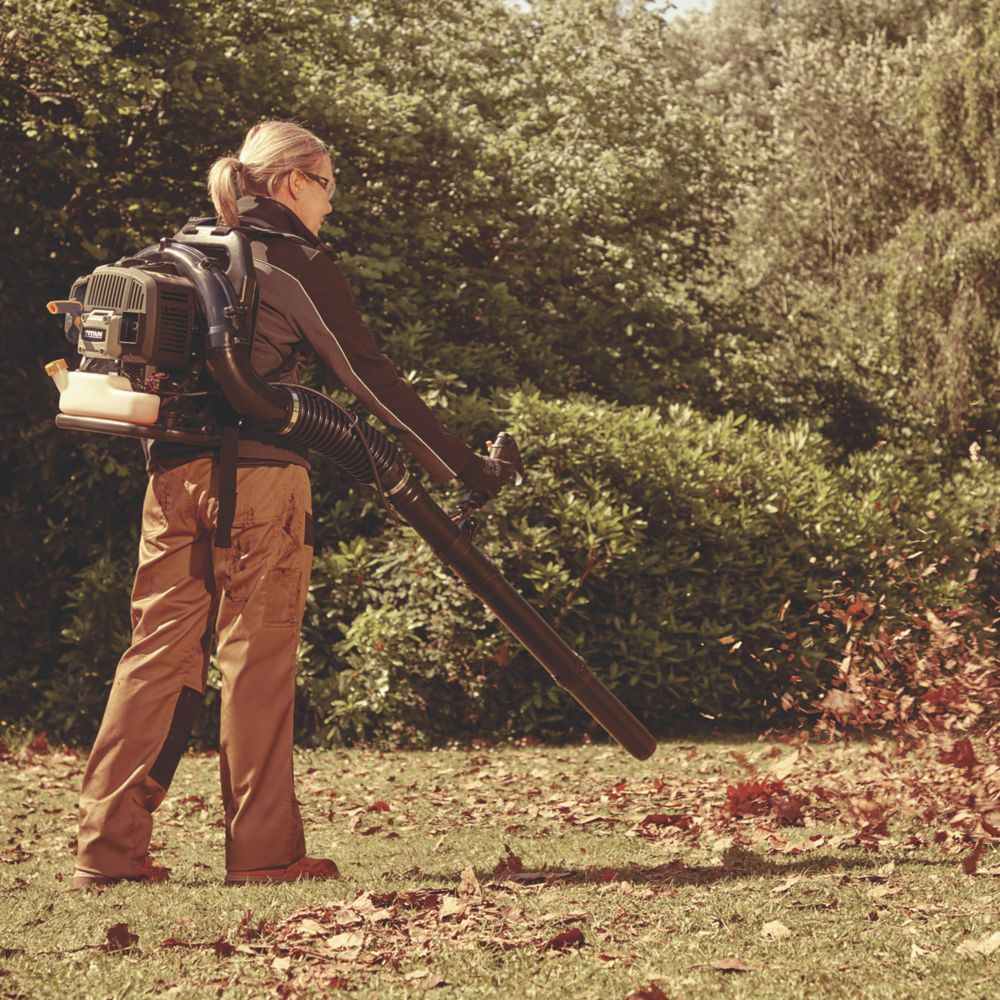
x: 304, y: 868
x: 148, y: 873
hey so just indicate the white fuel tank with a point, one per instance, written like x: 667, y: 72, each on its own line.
x: 88, y: 394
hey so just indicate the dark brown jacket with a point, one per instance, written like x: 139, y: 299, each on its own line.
x: 307, y: 312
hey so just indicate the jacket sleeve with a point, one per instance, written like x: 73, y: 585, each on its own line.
x: 326, y: 314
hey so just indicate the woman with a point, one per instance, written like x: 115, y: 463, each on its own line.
x: 247, y: 598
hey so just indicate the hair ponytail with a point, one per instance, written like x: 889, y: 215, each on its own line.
x: 270, y: 151
x: 225, y: 188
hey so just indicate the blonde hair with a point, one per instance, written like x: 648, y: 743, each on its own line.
x: 270, y: 151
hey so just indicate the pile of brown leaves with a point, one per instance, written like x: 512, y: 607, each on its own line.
x: 339, y: 945
x: 927, y: 686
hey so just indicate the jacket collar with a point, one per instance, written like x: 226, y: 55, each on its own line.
x: 259, y: 212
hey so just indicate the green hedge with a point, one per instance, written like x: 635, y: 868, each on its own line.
x: 682, y: 557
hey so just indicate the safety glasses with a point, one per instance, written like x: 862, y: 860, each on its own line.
x: 328, y: 184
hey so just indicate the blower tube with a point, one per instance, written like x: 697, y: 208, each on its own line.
x: 309, y: 418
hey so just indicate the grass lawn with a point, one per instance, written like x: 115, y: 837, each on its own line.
x: 520, y: 872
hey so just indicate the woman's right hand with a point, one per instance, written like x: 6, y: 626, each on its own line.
x: 486, y: 477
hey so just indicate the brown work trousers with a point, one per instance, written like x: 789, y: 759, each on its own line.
x: 249, y: 600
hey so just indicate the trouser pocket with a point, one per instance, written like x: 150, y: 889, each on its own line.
x: 287, y: 579
x: 282, y: 603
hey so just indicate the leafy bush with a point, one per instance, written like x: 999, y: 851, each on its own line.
x: 682, y: 557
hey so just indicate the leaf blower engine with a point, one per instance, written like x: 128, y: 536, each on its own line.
x: 165, y: 341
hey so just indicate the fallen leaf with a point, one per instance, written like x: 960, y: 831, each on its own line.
x: 784, y: 767
x: 961, y: 755
x: 507, y: 866
x: 751, y: 798
x: 839, y: 703
x: 250, y: 929
x: 567, y: 939
x: 877, y: 892
x: 348, y: 941
x: 680, y: 820
x: 790, y: 881
x: 971, y: 861
x: 451, y: 906
x: 650, y: 992
x: 775, y: 930
x: 469, y: 888
x: 311, y: 928
x: 420, y: 899
x: 787, y: 809
x: 732, y: 965
x: 120, y: 939
x: 984, y: 946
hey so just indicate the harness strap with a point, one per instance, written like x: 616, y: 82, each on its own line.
x: 228, y: 448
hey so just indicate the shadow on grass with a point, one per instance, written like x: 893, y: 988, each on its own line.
x: 737, y: 864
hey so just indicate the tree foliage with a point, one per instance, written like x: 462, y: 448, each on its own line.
x: 706, y: 267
